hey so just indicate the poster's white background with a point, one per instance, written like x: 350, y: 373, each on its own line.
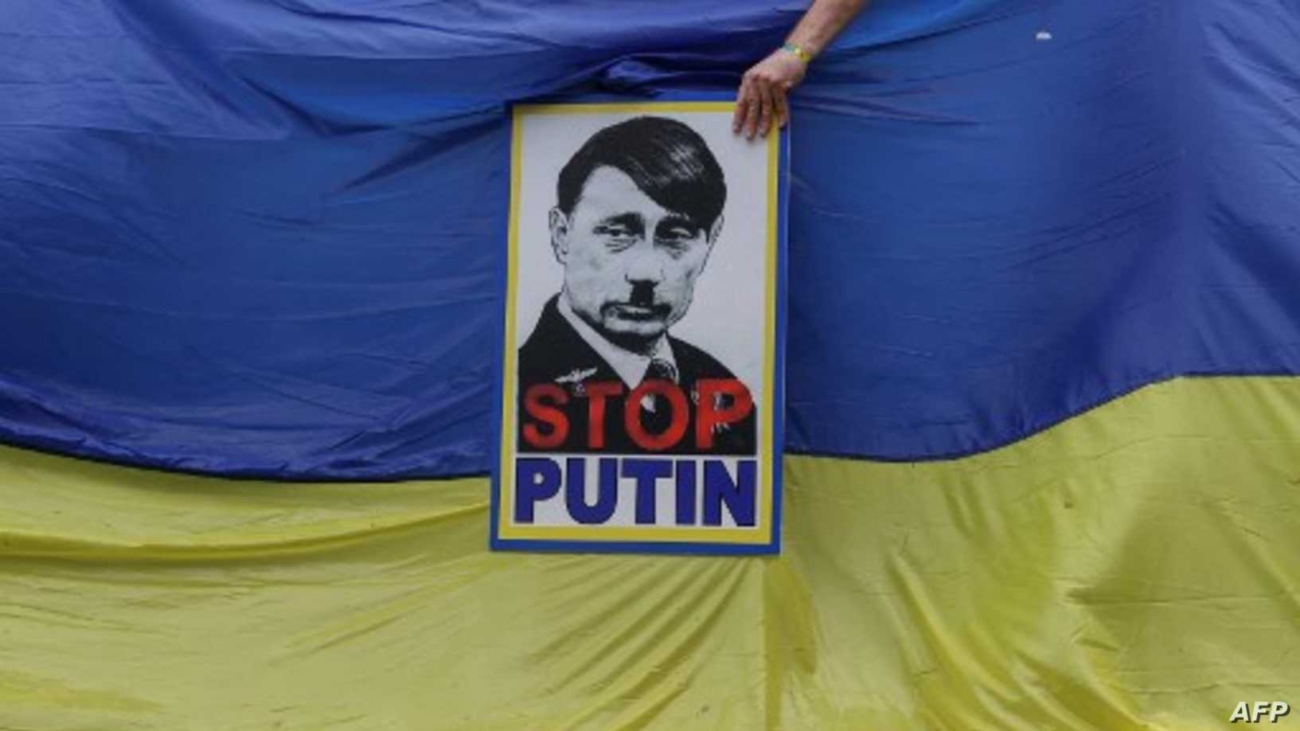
x: 726, y: 317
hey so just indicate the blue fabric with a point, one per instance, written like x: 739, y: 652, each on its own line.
x: 263, y: 237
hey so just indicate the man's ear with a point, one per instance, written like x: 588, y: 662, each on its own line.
x: 559, y: 235
x: 710, y: 239
x: 715, y: 230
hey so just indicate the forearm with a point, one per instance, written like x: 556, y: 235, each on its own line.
x: 823, y: 21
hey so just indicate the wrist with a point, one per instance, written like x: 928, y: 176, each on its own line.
x: 803, y: 53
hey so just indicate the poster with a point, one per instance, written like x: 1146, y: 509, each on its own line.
x: 641, y: 388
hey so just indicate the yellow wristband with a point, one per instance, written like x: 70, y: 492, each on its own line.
x: 798, y: 52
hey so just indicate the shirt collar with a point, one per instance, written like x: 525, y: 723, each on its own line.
x: 630, y: 367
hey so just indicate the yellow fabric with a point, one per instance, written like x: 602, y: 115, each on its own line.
x: 1136, y: 567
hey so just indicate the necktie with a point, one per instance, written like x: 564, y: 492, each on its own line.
x: 661, y: 370
x: 656, y: 414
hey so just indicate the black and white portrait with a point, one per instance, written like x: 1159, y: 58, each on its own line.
x: 656, y: 280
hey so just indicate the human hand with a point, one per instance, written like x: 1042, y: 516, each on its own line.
x: 761, y: 102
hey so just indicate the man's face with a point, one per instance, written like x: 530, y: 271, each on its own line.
x: 629, y: 264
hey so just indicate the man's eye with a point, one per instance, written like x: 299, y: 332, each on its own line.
x: 618, y: 232
x: 676, y: 238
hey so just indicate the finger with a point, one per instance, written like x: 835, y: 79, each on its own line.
x: 755, y: 103
x: 752, y: 105
x: 745, y: 102
x: 767, y: 94
x: 755, y: 111
x: 782, y: 105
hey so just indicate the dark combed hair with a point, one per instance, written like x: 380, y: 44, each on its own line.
x: 666, y: 159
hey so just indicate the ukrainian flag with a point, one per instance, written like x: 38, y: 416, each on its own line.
x: 1043, y: 436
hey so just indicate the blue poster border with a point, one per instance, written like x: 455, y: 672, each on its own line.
x: 503, y: 350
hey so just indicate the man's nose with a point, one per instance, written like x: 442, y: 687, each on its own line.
x: 645, y: 268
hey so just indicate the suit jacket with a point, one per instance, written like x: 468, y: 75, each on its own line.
x: 556, y: 354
